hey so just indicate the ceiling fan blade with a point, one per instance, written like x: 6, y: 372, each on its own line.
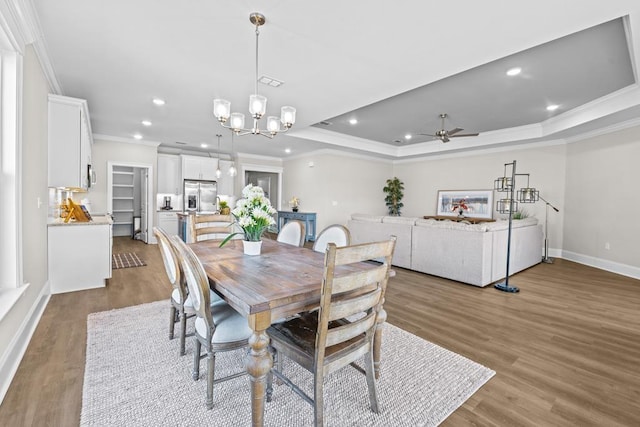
x: 464, y: 134
x: 428, y: 134
x: 456, y: 130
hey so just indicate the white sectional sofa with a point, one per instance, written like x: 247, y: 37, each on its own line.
x: 470, y: 253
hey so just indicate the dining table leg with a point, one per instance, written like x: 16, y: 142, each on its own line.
x: 259, y: 363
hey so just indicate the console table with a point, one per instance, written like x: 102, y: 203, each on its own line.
x: 309, y: 219
x: 458, y: 219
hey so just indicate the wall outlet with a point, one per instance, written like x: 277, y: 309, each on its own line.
x: 607, y: 246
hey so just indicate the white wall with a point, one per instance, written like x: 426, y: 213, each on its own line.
x: 353, y: 183
x: 602, y: 198
x: 546, y: 166
x: 110, y: 151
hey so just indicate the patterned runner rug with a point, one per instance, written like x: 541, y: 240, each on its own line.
x: 126, y: 260
x: 134, y: 377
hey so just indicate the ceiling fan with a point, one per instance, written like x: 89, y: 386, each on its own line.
x: 444, y: 134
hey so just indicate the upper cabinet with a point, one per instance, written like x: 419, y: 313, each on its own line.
x: 169, y: 176
x: 70, y: 141
x: 195, y: 167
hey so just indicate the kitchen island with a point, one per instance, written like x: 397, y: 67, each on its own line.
x: 79, y: 254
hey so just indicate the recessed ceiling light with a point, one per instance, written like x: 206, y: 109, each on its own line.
x: 514, y: 71
x: 353, y: 121
x: 407, y: 136
x: 203, y: 145
x: 146, y: 123
x: 287, y: 150
x: 552, y: 107
x: 158, y: 101
x: 137, y: 136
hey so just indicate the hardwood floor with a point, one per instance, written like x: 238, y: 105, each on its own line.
x: 566, y: 349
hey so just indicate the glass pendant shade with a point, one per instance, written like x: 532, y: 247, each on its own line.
x: 221, y: 109
x: 218, y: 172
x: 287, y: 116
x: 273, y: 124
x: 257, y: 105
x: 237, y: 121
x: 232, y: 169
x: 504, y: 206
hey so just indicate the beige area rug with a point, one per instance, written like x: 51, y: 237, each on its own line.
x: 134, y: 377
x: 126, y: 260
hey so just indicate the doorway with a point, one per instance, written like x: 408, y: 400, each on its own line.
x: 129, y: 199
x: 267, y: 177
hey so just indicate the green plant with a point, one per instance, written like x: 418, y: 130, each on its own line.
x: 254, y: 214
x: 223, y: 204
x: 520, y: 214
x: 394, y: 196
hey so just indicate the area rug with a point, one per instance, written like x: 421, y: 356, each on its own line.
x: 134, y: 377
x: 126, y: 260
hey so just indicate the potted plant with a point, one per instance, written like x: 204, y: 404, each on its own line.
x: 224, y: 208
x: 295, y: 204
x: 394, y: 196
x: 254, y: 214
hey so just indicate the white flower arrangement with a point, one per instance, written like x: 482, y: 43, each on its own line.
x: 253, y: 213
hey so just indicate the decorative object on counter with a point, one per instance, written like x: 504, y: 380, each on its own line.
x: 77, y: 212
x: 509, y: 206
x: 294, y: 203
x: 126, y: 260
x: 394, y: 196
x: 460, y: 206
x: 224, y: 208
x: 254, y: 214
x: 257, y: 104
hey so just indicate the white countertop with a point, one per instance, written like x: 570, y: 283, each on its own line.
x: 95, y: 220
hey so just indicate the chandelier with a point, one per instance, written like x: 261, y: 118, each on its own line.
x: 257, y: 104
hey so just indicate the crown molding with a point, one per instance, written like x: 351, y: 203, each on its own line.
x: 605, y: 130
x: 258, y: 157
x: 97, y: 136
x: 334, y: 152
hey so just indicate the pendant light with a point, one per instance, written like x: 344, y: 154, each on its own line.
x: 218, y: 171
x: 232, y: 169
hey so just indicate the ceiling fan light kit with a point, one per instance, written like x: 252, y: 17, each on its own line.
x: 257, y: 104
x: 446, y: 135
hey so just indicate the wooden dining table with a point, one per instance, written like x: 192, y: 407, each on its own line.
x: 282, y: 281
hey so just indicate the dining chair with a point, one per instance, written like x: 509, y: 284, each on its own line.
x: 338, y: 234
x: 218, y: 327
x: 181, y: 304
x: 324, y: 341
x: 210, y: 227
x: 292, y: 233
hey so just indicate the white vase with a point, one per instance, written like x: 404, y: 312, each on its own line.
x: 252, y: 248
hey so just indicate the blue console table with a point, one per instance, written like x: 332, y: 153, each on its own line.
x: 309, y: 219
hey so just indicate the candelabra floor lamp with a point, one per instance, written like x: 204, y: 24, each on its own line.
x: 508, y: 205
x: 546, y: 259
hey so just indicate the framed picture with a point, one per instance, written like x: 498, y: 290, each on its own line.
x: 478, y: 203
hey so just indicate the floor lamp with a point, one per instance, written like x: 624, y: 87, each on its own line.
x: 546, y: 258
x: 526, y: 194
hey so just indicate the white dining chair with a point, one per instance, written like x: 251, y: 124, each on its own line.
x: 338, y: 234
x: 292, y: 233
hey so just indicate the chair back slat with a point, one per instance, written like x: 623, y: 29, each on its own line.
x: 359, y: 279
x: 364, y: 252
x: 344, y: 333
x: 211, y: 227
x: 346, y: 307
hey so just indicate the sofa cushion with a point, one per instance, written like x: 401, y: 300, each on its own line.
x: 503, y: 224
x: 367, y: 217
x: 399, y: 220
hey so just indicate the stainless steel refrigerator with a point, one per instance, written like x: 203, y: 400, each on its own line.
x: 200, y: 196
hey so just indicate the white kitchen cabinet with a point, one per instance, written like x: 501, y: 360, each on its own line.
x: 168, y: 221
x: 195, y: 167
x: 69, y: 141
x: 169, y: 176
x: 79, y: 255
x: 225, y: 182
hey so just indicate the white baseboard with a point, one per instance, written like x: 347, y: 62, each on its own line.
x: 18, y: 346
x: 603, y: 264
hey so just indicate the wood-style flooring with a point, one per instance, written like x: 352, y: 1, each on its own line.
x: 566, y: 349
